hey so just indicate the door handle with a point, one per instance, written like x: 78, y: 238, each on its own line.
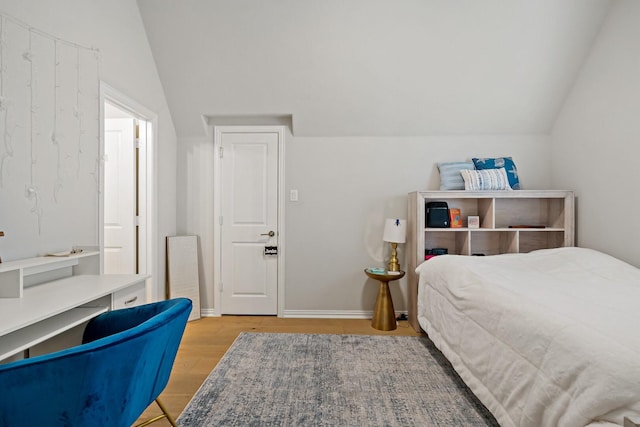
x: 270, y: 233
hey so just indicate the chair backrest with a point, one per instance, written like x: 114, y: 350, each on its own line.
x: 110, y: 379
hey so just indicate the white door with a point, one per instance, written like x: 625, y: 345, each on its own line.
x: 119, y: 196
x: 249, y: 222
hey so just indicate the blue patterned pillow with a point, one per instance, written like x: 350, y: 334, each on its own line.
x: 485, y: 180
x: 500, y: 162
x: 450, y: 178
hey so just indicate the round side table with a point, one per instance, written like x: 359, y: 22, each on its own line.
x: 384, y: 316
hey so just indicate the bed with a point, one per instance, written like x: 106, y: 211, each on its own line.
x: 548, y: 338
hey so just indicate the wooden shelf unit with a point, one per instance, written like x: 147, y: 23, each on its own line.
x: 498, y: 210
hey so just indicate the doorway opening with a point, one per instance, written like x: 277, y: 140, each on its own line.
x: 127, y: 214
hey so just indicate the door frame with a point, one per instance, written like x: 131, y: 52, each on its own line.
x: 217, y: 211
x: 148, y: 203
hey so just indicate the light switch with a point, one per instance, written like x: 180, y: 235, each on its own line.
x: 293, y: 195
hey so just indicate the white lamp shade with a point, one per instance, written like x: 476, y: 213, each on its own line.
x: 395, y: 230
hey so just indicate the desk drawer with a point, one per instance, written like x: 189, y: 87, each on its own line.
x: 130, y: 297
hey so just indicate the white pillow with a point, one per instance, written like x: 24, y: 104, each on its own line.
x: 485, y: 179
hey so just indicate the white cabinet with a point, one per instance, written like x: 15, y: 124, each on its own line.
x: 510, y: 222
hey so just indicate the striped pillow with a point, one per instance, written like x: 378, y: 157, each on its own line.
x: 450, y: 178
x: 486, y: 179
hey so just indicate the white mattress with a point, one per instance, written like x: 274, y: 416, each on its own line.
x: 549, y: 338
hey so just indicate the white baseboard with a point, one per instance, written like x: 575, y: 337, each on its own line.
x: 209, y: 312
x: 328, y: 314
x: 332, y: 314
x: 312, y: 314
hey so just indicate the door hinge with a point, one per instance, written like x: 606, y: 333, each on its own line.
x: 137, y: 221
x: 221, y: 152
x: 220, y: 220
x: 221, y: 287
x: 137, y: 135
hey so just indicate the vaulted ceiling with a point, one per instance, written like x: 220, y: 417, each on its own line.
x: 371, y: 67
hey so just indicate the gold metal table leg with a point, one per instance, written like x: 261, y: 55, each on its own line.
x: 384, y: 316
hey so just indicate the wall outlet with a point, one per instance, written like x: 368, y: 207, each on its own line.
x: 293, y: 195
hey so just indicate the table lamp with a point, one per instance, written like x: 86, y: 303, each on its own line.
x: 395, y: 231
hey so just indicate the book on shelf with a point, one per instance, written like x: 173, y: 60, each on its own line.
x: 455, y: 220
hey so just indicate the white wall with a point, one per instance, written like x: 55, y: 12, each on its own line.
x: 195, y: 205
x: 49, y: 150
x: 126, y: 64
x: 347, y: 187
x: 596, y: 138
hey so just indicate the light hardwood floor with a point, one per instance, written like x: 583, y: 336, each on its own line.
x: 206, y: 340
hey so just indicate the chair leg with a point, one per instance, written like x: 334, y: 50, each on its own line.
x: 165, y: 414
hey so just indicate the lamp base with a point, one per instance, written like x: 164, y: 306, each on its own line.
x: 394, y: 264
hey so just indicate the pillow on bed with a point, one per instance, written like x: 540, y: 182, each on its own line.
x: 450, y: 178
x: 487, y: 179
x: 500, y: 162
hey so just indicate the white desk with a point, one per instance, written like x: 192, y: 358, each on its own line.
x: 48, y: 309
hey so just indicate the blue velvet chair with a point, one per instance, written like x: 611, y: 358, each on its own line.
x: 122, y: 366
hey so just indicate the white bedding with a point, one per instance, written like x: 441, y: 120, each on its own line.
x: 549, y: 338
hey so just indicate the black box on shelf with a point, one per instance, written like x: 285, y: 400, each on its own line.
x: 437, y: 214
x: 430, y: 253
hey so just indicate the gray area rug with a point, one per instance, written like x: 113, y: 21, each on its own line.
x: 269, y: 379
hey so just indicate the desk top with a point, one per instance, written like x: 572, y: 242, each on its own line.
x: 49, y: 299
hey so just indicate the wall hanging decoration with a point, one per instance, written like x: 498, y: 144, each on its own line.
x: 49, y: 138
